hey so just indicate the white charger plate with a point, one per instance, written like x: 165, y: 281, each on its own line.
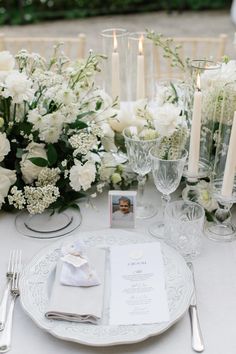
x: 38, y: 276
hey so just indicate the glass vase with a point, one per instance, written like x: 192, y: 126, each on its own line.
x: 204, y: 76
x: 223, y: 177
x: 140, y: 76
x: 114, y: 71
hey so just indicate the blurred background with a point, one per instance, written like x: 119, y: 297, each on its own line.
x: 70, y: 17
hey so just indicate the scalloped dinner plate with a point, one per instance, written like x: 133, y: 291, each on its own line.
x: 38, y: 276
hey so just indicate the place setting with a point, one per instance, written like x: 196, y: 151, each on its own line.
x: 118, y: 169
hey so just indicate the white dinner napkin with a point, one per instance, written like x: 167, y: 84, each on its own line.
x: 79, y: 303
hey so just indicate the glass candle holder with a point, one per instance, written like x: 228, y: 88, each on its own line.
x: 114, y: 71
x: 223, y: 178
x: 140, y: 63
x: 202, y: 117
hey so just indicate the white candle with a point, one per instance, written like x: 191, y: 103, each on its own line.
x: 194, y: 147
x: 140, y: 92
x: 115, y: 76
x: 229, y: 173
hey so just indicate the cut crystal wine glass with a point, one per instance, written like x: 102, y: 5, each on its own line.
x: 167, y: 175
x: 140, y: 162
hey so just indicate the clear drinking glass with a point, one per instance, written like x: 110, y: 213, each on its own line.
x: 167, y: 175
x: 184, y: 223
x: 140, y: 162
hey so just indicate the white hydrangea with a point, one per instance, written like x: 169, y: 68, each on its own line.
x: 82, y: 176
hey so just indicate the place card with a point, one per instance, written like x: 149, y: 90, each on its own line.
x: 138, y: 294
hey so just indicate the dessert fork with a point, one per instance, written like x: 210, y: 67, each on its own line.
x: 14, y: 258
x: 5, y: 335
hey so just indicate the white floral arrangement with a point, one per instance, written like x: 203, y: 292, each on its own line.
x: 55, y: 135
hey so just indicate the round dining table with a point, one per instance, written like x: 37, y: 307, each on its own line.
x: 215, y: 278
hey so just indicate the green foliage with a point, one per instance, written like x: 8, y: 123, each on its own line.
x: 28, y: 11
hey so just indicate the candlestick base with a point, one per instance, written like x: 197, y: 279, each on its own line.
x: 222, y: 229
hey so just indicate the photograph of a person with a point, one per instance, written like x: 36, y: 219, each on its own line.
x: 122, y: 209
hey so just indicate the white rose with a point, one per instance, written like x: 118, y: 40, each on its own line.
x: 4, y: 146
x: 18, y: 86
x: 166, y: 119
x: 123, y: 119
x: 7, y: 178
x: 82, y: 176
x: 29, y: 170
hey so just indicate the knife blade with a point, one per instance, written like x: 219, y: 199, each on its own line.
x: 196, y: 333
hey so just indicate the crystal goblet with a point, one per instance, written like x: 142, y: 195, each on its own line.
x: 167, y: 175
x: 140, y: 162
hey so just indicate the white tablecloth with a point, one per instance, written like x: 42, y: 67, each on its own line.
x: 215, y: 272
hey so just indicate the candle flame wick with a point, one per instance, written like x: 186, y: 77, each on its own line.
x: 114, y: 41
x: 140, y: 45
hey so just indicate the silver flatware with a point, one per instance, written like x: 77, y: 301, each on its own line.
x: 13, y: 259
x: 196, y: 333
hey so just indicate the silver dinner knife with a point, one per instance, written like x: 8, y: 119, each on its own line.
x: 196, y: 333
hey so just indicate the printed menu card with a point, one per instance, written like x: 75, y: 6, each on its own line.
x: 138, y: 294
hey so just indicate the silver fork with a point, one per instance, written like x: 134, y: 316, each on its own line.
x: 5, y: 335
x: 13, y: 259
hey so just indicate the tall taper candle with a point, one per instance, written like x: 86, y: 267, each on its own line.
x: 230, y: 165
x: 115, y: 76
x: 194, y: 147
x: 140, y: 91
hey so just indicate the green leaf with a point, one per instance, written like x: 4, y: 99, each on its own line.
x: 39, y: 161
x: 52, y: 154
x: 78, y: 124
x: 98, y: 105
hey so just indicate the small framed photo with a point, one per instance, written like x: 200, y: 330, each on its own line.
x: 122, y: 209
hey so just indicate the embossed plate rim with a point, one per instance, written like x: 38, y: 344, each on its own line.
x: 84, y: 333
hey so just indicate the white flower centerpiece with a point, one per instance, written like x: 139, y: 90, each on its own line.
x: 54, y: 132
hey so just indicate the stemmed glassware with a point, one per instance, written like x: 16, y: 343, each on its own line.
x: 140, y: 162
x: 167, y: 175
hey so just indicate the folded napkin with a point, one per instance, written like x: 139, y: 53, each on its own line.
x: 79, y: 303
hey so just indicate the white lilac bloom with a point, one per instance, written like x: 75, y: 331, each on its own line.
x: 19, y: 87
x: 7, y: 179
x: 40, y: 198
x: 29, y: 170
x: 4, y: 146
x: 82, y: 176
x: 82, y: 142
x: 48, y: 176
x: 166, y: 119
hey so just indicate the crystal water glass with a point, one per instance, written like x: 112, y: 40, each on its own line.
x: 140, y: 162
x: 184, y: 222
x: 167, y: 175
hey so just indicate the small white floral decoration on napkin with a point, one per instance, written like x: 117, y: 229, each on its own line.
x: 76, y: 268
